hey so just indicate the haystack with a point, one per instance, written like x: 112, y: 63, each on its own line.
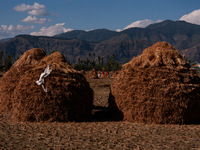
x: 69, y: 96
x: 11, y: 78
x: 158, y: 86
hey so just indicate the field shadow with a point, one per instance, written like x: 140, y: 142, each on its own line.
x: 102, y: 114
x: 110, y: 113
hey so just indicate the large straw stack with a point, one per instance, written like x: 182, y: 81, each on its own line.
x: 69, y: 96
x: 158, y: 86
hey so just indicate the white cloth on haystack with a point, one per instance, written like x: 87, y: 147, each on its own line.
x: 46, y: 72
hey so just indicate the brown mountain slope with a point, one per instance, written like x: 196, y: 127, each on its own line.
x: 192, y: 53
x: 125, y: 44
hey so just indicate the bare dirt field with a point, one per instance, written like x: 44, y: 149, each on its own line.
x: 100, y: 133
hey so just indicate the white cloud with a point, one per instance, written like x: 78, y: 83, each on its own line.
x: 141, y: 23
x: 35, y: 9
x: 6, y: 31
x: 193, y: 17
x: 52, y: 30
x: 119, y: 30
x: 89, y: 30
x: 33, y: 19
x: 38, y: 12
x: 24, y: 7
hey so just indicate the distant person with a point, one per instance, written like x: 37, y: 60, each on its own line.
x: 103, y: 73
x: 99, y: 75
x: 107, y: 74
x: 95, y: 74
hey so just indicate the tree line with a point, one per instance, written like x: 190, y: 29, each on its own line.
x: 97, y: 63
x: 7, y: 63
x: 91, y: 62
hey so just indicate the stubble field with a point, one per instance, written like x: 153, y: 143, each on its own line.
x: 101, y: 133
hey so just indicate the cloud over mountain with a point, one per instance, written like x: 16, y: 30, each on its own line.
x: 193, y: 17
x: 52, y: 30
x: 141, y: 23
x: 35, y: 20
x: 6, y: 31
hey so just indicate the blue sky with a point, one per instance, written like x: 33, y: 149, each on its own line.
x: 50, y: 17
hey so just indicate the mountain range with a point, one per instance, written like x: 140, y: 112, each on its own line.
x: 102, y: 42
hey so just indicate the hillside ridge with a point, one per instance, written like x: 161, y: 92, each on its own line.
x: 103, y: 42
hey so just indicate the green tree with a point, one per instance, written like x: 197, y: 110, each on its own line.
x: 1, y: 58
x: 8, y: 62
x: 112, y: 65
x: 102, y: 61
x: 99, y: 59
x: 79, y: 60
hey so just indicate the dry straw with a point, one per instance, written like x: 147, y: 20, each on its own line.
x: 69, y: 96
x: 158, y: 86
